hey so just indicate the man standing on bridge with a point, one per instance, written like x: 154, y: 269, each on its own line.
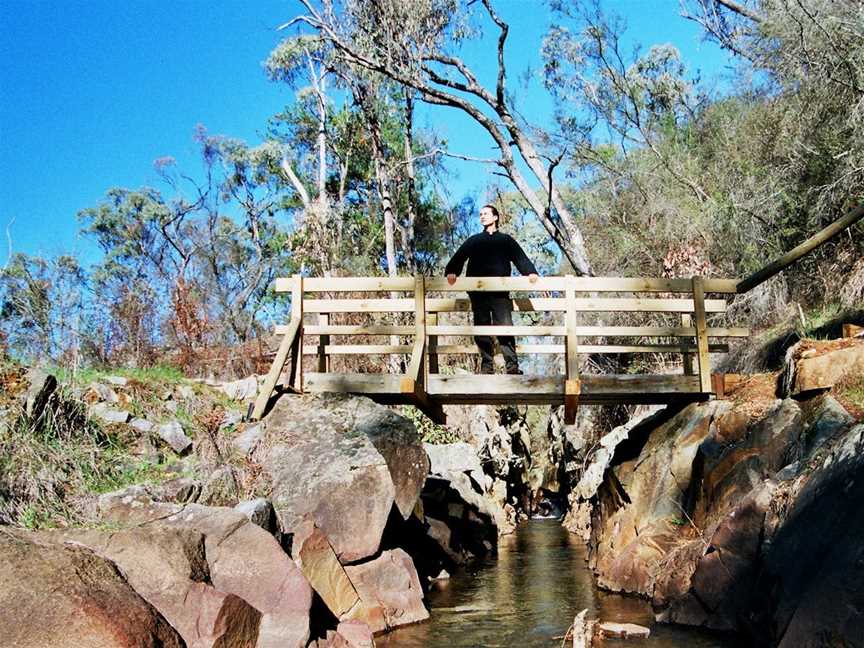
x: 489, y: 254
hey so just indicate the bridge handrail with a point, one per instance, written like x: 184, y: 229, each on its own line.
x: 426, y: 329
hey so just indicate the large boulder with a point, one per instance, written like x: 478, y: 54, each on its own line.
x: 742, y: 518
x: 68, y: 597
x: 343, y: 462
x: 168, y: 567
x: 817, y: 366
x: 389, y: 583
x: 640, y: 507
x: 243, y: 560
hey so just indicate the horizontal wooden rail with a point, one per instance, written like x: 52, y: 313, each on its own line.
x: 778, y: 265
x: 459, y: 349
x: 485, y: 284
x: 521, y: 331
x: 520, y: 304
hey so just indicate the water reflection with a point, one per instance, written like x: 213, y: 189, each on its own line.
x: 528, y: 597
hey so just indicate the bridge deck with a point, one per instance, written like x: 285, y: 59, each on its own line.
x: 466, y: 389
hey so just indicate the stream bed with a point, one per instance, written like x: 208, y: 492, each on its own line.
x: 528, y: 595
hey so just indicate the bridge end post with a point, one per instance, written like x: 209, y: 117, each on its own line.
x: 291, y: 342
x: 704, y: 360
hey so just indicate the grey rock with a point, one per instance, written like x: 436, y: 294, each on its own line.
x: 259, y: 511
x: 343, y: 461
x: 248, y: 439
x: 101, y: 392
x: 172, y: 433
x: 172, y: 406
x: 452, y: 457
x: 108, y: 414
x: 179, y: 490
x: 42, y: 387
x: 118, y: 381
x: 230, y: 418
x: 184, y: 392
x: 220, y: 488
x: 827, y: 419
x: 241, y: 390
x: 142, y: 425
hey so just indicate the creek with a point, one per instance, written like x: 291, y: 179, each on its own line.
x: 527, y: 596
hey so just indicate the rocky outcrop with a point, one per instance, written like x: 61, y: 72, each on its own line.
x: 68, y: 597
x: 242, y: 559
x: 168, y: 567
x: 342, y: 462
x: 814, y: 366
x: 737, y: 515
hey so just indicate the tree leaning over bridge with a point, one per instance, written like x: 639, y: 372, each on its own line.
x: 407, y: 42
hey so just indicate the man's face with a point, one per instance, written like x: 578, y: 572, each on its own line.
x: 487, y: 217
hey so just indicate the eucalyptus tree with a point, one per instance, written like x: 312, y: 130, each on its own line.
x: 412, y: 44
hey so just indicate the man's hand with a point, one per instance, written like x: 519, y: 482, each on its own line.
x: 451, y: 279
x: 532, y: 278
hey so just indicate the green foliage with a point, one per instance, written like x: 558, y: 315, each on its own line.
x: 429, y: 431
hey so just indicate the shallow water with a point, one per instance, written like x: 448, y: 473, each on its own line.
x: 528, y: 596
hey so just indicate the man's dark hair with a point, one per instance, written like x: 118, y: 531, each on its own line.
x: 494, y: 211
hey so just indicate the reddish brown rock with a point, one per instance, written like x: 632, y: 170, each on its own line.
x: 68, y: 597
x: 349, y: 634
x: 243, y: 559
x: 168, y: 567
x: 313, y: 554
x: 824, y: 370
x: 389, y: 582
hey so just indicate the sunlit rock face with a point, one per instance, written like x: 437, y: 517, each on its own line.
x: 343, y: 462
x: 740, y: 517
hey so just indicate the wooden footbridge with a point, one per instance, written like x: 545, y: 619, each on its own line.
x: 426, y: 303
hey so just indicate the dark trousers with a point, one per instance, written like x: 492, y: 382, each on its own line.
x: 494, y: 308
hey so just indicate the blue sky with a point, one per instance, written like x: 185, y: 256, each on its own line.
x: 92, y: 92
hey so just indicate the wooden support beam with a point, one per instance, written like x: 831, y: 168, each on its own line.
x: 799, y: 251
x: 571, y: 360
x: 686, y: 322
x: 572, y: 389
x: 704, y: 360
x: 581, y: 284
x: 417, y: 397
x: 351, y: 329
x: 581, y: 331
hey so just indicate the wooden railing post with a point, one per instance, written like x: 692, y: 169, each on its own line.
x: 292, y: 340
x: 687, y: 322
x: 297, y: 349
x: 704, y: 360
x: 572, y: 385
x: 432, y: 342
x: 416, y: 371
x: 323, y: 341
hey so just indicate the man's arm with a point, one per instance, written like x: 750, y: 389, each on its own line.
x: 520, y: 259
x: 454, y: 266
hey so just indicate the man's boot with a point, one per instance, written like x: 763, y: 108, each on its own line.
x: 487, y: 368
x: 514, y: 370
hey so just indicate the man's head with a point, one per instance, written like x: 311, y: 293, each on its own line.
x: 489, y: 218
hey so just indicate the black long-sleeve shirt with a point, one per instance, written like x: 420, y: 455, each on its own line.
x: 490, y: 255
